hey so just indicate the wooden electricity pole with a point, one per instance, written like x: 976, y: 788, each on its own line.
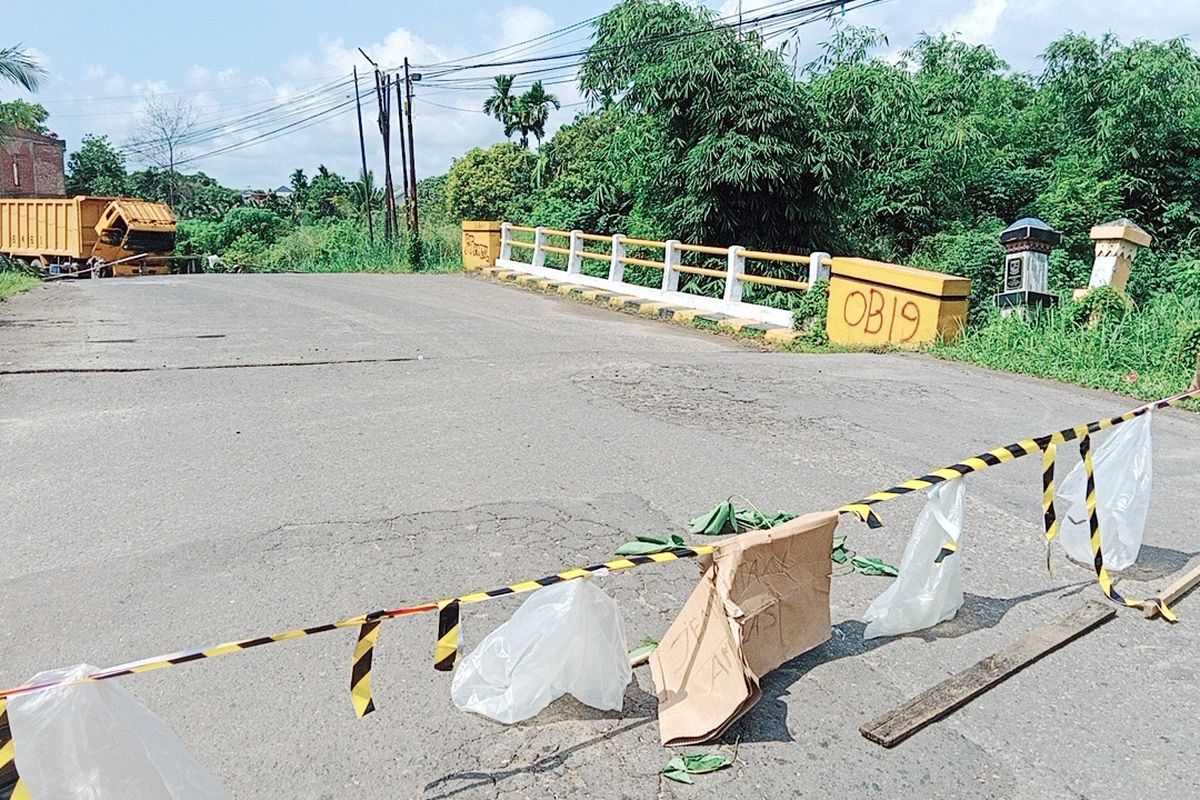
x: 412, y: 159
x: 403, y: 159
x: 362, y: 149
x: 384, y: 94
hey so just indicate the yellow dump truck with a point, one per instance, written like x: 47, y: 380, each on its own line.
x: 88, y: 236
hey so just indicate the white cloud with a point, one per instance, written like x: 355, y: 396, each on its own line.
x: 979, y: 24
x: 517, y: 24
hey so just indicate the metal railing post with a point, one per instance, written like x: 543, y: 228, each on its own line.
x: 505, y: 241
x: 539, y: 244
x: 735, y: 266
x: 818, y: 267
x: 670, y: 281
x: 616, y: 269
x: 575, y: 261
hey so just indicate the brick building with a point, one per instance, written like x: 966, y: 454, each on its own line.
x: 31, y: 164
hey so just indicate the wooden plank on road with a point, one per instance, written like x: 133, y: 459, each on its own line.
x: 936, y: 702
x: 1176, y: 590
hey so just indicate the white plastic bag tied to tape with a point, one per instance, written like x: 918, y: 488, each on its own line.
x: 1124, y: 469
x: 926, y: 592
x: 93, y: 740
x: 565, y: 639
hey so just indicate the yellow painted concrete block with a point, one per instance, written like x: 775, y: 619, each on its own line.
x: 780, y: 335
x: 652, y: 309
x: 620, y: 300
x: 686, y: 314
x: 874, y: 303
x: 480, y: 243
x: 736, y: 324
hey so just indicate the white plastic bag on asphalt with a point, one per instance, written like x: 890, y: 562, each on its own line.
x: 1124, y: 469
x: 566, y: 638
x: 95, y: 741
x: 925, y: 593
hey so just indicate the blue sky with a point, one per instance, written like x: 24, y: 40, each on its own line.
x: 230, y: 60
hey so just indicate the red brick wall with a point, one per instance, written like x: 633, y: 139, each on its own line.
x: 38, y: 164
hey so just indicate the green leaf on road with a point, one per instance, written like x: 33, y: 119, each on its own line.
x: 640, y: 548
x: 645, y: 545
x: 648, y: 646
x: 874, y: 566
x: 717, y: 521
x: 682, y: 768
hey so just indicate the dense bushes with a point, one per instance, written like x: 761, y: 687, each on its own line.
x: 1149, y: 353
x: 496, y: 183
x: 719, y: 138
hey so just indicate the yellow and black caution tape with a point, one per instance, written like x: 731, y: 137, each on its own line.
x: 360, y: 670
x: 447, y: 636
x: 1102, y: 576
x: 368, y: 633
x: 863, y: 510
x: 998, y: 455
x: 448, y: 609
x: 1049, y: 515
x: 11, y: 785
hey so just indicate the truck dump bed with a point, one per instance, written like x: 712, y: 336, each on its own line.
x: 60, y: 227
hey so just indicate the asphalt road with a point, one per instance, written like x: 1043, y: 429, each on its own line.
x: 459, y: 435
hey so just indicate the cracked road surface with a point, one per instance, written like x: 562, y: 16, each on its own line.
x: 399, y: 438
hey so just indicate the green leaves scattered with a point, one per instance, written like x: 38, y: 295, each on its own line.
x: 681, y: 768
x: 721, y: 519
x: 645, y: 545
x: 840, y: 554
x: 639, y: 654
x: 725, y: 517
x: 867, y: 566
x: 874, y: 566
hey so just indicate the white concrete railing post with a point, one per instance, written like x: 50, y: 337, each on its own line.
x: 539, y: 245
x: 670, y: 281
x: 575, y: 261
x: 616, y: 268
x: 505, y: 241
x: 818, y: 267
x: 735, y: 266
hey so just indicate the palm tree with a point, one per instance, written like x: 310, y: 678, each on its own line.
x: 500, y: 104
x: 363, y: 194
x: 17, y: 67
x: 532, y: 112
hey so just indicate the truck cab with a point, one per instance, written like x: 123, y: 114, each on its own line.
x: 129, y: 228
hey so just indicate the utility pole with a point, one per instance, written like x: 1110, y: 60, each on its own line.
x: 383, y: 93
x: 403, y: 159
x: 412, y: 159
x: 362, y: 149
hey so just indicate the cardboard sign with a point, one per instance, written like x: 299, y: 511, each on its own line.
x: 763, y: 599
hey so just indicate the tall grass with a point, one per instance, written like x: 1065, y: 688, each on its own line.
x: 1148, y: 353
x: 346, y: 247
x: 13, y: 281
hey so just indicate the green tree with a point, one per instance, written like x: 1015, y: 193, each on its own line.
x: 531, y: 112
x: 325, y: 196
x: 502, y: 102
x: 27, y: 116
x: 197, y: 196
x: 728, y: 165
x: 492, y: 183
x: 96, y: 168
x: 17, y: 66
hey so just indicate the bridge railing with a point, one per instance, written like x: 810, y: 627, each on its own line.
x: 742, y: 266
